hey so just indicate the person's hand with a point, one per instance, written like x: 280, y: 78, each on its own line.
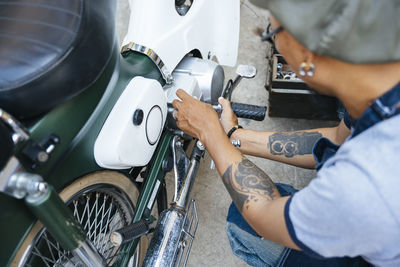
x: 228, y: 118
x: 195, y: 118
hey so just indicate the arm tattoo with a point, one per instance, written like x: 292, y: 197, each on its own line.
x: 291, y: 144
x: 247, y: 183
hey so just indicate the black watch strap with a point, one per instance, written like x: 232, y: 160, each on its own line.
x: 234, y: 128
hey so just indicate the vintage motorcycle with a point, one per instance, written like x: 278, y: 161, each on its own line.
x: 86, y: 131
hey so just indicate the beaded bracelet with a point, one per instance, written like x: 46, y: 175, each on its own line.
x: 234, y: 128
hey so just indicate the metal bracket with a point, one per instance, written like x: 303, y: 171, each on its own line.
x: 188, y: 234
x: 19, y: 184
x: 19, y: 132
x: 39, y: 153
x: 153, y: 56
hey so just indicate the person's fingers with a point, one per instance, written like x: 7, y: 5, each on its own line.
x: 221, y: 101
x: 182, y: 94
x: 225, y: 104
x: 183, y: 125
x: 176, y: 104
x: 178, y: 116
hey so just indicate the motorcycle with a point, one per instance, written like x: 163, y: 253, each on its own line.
x: 87, y: 132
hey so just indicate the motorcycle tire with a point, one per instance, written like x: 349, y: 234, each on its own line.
x: 102, y: 202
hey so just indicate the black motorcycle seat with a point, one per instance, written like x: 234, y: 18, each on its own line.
x: 51, y: 50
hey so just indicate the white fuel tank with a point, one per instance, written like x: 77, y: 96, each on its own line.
x: 134, y: 126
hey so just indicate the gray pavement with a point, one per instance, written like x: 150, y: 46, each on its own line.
x: 211, y: 246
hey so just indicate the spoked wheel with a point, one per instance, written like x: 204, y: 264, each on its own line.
x: 102, y: 202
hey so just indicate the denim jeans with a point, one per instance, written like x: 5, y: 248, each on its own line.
x: 247, y: 244
x: 257, y: 251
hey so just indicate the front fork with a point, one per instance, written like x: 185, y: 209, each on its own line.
x: 43, y: 200
x: 50, y: 209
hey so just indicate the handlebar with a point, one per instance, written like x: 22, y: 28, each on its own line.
x: 246, y: 111
x: 241, y: 110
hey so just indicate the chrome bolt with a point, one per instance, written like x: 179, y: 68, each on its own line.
x: 42, y: 156
x: 41, y: 187
x: 200, y: 145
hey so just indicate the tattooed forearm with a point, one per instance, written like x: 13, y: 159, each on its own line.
x: 291, y: 144
x: 246, y: 183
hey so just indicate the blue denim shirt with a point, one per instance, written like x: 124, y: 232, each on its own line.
x: 381, y: 108
x: 384, y: 107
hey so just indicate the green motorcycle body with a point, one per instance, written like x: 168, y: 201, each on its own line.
x: 77, y: 123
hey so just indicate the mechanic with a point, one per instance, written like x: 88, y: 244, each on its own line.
x: 349, y: 215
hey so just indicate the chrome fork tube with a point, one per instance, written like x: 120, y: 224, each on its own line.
x: 45, y: 203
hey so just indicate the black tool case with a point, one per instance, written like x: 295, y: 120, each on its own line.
x: 292, y: 98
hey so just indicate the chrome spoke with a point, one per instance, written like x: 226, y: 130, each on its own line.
x: 111, y: 258
x: 83, y: 213
x: 45, y: 237
x: 76, y: 213
x: 104, y: 236
x: 100, y: 213
x: 107, y: 226
x: 109, y: 243
x: 96, y: 224
x: 89, y: 217
x: 93, y: 223
x: 48, y: 245
x: 43, y: 258
x: 96, y: 242
x: 62, y: 254
x: 59, y: 250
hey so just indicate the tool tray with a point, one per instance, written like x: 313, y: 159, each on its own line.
x: 291, y: 97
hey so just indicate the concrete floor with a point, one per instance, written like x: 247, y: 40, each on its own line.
x: 211, y: 246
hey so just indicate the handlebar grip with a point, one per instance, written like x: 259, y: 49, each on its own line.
x: 247, y: 111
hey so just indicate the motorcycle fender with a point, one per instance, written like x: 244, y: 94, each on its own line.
x: 133, y: 128
x: 211, y: 27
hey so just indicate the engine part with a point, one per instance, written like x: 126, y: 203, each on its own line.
x: 209, y: 75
